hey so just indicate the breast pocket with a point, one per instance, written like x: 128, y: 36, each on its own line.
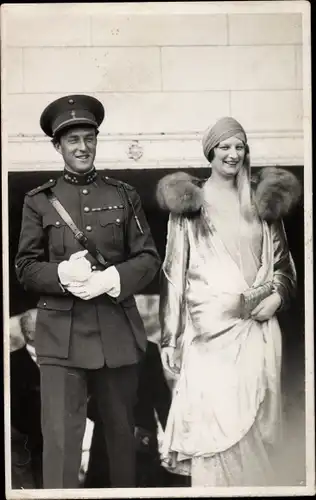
x: 55, y: 230
x: 112, y: 224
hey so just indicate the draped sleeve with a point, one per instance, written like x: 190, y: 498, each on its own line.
x: 284, y: 273
x: 173, y: 280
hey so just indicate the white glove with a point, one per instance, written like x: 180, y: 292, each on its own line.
x: 98, y: 283
x: 77, y: 268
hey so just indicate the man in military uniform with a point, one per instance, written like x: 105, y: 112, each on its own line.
x: 89, y: 334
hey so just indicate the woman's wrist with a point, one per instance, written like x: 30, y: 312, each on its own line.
x: 166, y: 346
x: 278, y: 299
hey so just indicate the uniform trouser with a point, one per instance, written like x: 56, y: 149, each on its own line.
x: 64, y: 394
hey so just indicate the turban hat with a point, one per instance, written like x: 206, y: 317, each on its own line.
x: 223, y: 129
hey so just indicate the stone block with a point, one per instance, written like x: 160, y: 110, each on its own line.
x: 24, y: 111
x: 299, y: 66
x: 162, y: 112
x: 47, y: 25
x: 268, y: 110
x: 265, y: 29
x: 13, y: 60
x: 158, y: 29
x: 262, y: 67
x: 228, y: 68
x: 91, y: 69
x: 287, y: 150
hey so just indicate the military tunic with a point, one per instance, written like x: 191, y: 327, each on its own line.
x: 69, y: 330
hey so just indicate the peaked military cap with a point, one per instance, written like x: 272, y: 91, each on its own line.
x: 71, y: 110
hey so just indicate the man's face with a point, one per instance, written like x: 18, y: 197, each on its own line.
x: 78, y: 148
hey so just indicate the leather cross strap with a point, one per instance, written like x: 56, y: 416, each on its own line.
x: 79, y: 235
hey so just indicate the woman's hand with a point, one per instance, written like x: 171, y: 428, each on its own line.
x: 267, y: 307
x: 168, y: 361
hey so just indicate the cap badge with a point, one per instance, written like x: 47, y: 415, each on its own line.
x: 73, y: 114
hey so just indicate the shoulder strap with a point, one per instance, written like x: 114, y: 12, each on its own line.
x: 41, y: 188
x: 117, y: 182
x: 79, y: 235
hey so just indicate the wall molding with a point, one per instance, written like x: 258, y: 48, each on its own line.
x: 172, y: 164
x: 163, y: 136
x: 160, y: 150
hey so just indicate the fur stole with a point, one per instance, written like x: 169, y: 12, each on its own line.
x: 275, y: 192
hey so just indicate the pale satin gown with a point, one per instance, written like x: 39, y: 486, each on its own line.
x: 226, y: 401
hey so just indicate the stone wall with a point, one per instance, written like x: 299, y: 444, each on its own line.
x: 163, y: 78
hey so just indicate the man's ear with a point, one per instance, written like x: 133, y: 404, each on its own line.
x: 56, y: 145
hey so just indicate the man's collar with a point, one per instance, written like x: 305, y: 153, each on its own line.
x: 80, y: 179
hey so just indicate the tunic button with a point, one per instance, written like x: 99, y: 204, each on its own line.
x: 118, y: 220
x: 88, y: 228
x: 86, y: 209
x: 44, y: 304
x: 85, y: 191
x: 93, y: 268
x: 57, y: 223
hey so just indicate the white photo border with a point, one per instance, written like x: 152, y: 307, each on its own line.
x: 253, y: 7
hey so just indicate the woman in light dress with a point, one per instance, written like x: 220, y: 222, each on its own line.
x: 225, y: 236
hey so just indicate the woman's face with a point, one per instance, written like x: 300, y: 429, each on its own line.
x: 229, y: 157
